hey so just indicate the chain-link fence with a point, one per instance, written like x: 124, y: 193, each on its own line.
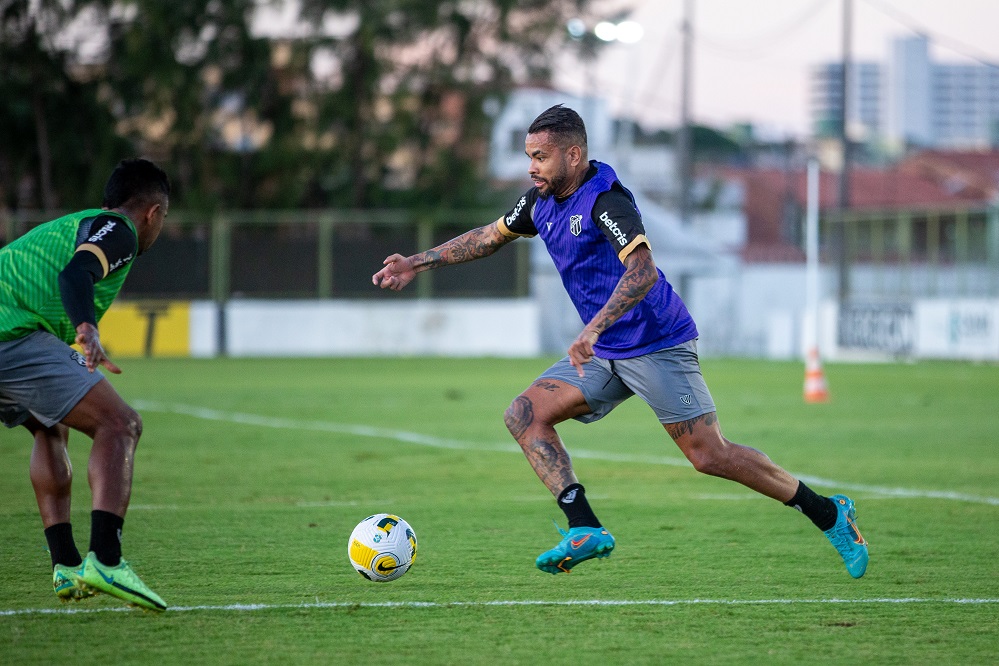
x: 306, y: 254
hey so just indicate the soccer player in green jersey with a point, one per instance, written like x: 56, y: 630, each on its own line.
x: 56, y: 282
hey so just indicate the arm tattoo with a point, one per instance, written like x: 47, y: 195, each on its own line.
x: 638, y: 279
x: 469, y: 246
x: 681, y: 428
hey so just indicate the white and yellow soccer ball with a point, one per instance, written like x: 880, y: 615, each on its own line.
x: 382, y: 547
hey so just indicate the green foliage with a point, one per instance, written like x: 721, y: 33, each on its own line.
x: 362, y: 99
x: 55, y: 126
x: 707, y: 143
x: 251, y: 502
x: 710, y: 144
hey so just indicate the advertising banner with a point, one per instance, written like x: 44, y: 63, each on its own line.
x: 888, y: 328
x: 147, y: 328
x: 960, y: 328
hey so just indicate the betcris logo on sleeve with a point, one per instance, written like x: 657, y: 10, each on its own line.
x: 615, y: 230
x: 102, y: 232
x: 512, y: 217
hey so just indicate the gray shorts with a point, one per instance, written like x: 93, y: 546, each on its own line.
x: 669, y: 380
x: 41, y: 376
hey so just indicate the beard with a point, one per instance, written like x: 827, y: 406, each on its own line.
x: 556, y: 183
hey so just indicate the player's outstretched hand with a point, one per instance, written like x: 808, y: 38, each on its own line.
x: 581, y: 349
x: 89, y: 339
x: 398, y: 272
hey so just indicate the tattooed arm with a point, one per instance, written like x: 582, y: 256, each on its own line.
x: 639, y: 277
x: 475, y: 244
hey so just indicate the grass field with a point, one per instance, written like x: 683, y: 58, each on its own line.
x: 252, y: 473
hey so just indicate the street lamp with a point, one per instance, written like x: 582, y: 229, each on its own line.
x: 624, y: 32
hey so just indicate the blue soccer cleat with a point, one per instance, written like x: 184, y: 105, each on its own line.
x: 846, y: 538
x: 578, y: 545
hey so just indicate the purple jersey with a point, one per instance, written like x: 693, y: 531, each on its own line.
x: 588, y: 236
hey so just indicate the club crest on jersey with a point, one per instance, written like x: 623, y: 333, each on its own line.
x: 576, y: 224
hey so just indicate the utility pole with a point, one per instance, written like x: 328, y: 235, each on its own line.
x: 684, y: 150
x: 844, y: 176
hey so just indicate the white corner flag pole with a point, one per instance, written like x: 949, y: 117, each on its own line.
x: 810, y: 332
x: 816, y: 389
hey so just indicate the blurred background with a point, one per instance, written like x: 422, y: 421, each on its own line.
x: 307, y: 140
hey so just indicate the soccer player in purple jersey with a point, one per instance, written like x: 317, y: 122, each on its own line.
x: 637, y: 338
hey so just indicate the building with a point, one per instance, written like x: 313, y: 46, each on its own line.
x: 826, y: 100
x: 910, y: 100
x: 922, y: 241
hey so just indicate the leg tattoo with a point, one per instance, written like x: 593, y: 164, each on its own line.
x: 519, y: 417
x: 547, y: 385
x: 551, y: 463
x: 540, y: 444
x: 681, y: 428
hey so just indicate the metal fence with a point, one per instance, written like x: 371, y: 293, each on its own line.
x: 925, y: 253
x: 307, y: 254
x: 898, y: 254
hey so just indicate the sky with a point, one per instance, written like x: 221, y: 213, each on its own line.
x: 751, y: 58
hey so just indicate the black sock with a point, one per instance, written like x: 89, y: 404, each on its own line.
x: 573, y: 503
x: 820, y: 510
x: 105, y: 537
x: 62, y: 547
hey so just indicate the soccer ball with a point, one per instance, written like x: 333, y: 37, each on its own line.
x: 382, y: 547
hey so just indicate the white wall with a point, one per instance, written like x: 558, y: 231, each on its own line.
x: 508, y: 327
x: 752, y: 313
x: 753, y: 310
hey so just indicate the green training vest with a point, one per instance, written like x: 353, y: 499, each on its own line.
x: 29, y: 278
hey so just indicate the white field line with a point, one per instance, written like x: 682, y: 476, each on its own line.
x: 321, y: 605
x: 454, y: 444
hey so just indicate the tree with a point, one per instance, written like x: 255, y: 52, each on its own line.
x: 55, y: 127
x: 358, y: 103
x: 410, y: 77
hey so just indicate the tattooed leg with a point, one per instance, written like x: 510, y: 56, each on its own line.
x: 550, y: 461
x: 531, y: 419
x: 702, y: 443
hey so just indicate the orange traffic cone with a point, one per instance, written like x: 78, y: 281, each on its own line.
x: 816, y: 389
